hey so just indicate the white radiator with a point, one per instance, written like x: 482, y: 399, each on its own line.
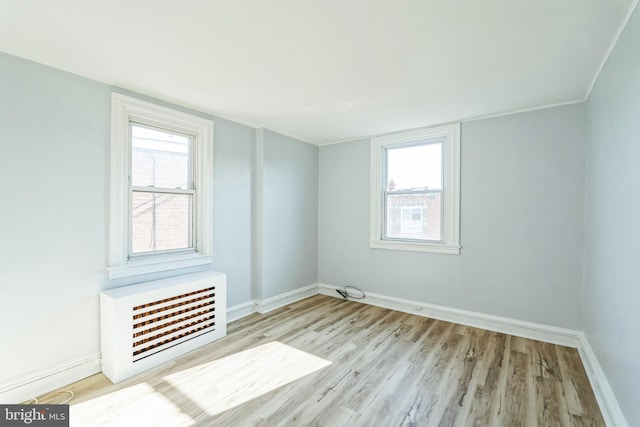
x: 150, y: 323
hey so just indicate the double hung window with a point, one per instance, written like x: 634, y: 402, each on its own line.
x: 415, y: 190
x: 162, y: 192
x: 161, y: 171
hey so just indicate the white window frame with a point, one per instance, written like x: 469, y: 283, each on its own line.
x: 124, y: 111
x: 450, y: 243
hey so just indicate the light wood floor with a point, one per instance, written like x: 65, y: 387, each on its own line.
x: 328, y: 362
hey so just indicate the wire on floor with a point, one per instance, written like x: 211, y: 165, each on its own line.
x: 355, y: 293
x: 35, y: 401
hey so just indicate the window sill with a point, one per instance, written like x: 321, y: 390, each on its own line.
x: 437, y: 248
x: 156, y: 265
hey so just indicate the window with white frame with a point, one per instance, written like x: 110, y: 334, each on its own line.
x: 415, y: 190
x: 161, y: 188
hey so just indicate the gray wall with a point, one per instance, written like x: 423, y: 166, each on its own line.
x: 54, y: 195
x: 612, y: 278
x: 521, y: 222
x: 232, y: 189
x: 290, y: 214
x: 54, y: 145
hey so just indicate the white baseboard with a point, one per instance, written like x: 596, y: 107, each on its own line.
x: 536, y: 331
x: 264, y: 306
x: 607, y: 401
x: 26, y: 387
x: 241, y: 310
x: 281, y: 300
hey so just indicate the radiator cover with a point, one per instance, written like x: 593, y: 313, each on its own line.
x: 150, y: 323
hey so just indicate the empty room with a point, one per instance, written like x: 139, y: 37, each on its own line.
x: 320, y: 213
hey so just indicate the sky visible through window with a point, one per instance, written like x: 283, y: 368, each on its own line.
x: 417, y: 166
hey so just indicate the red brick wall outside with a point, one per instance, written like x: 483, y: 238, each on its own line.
x: 170, y: 213
x: 429, y: 229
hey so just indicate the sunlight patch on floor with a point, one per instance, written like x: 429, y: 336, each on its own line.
x: 116, y: 409
x: 201, y: 391
x: 234, y: 380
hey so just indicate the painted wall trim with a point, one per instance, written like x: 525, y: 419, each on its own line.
x: 607, y: 401
x: 241, y: 310
x: 462, y: 120
x: 613, y: 44
x: 38, y: 383
x: 281, y: 300
x: 264, y: 306
x: 536, y: 331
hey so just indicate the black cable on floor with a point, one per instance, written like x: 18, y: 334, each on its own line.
x: 359, y: 293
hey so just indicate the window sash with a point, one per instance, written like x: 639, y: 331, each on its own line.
x: 449, y: 135
x: 191, y: 235
x: 190, y: 190
x: 386, y: 193
x: 191, y: 150
x: 385, y: 228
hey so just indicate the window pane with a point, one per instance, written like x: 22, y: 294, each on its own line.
x: 159, y: 158
x: 414, y: 216
x: 160, y: 221
x: 418, y: 166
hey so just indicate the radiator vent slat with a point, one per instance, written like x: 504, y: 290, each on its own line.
x: 146, y: 309
x: 159, y: 326
x: 210, y: 318
x: 176, y: 311
x: 178, y: 344
x: 181, y: 334
x: 150, y: 323
x: 162, y: 301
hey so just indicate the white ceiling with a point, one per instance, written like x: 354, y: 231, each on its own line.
x: 327, y: 70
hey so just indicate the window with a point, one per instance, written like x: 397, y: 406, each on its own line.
x: 161, y: 182
x: 415, y: 188
x: 162, y: 191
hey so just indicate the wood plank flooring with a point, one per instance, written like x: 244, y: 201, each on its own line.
x: 329, y: 362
